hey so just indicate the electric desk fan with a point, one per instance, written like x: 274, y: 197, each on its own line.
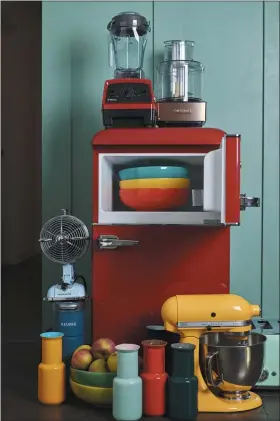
x: 64, y: 239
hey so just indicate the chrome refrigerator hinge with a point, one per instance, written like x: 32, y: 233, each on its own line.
x: 248, y: 202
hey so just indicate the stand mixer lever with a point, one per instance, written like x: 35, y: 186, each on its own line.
x: 111, y: 242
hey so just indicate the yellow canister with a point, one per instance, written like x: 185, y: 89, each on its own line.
x: 51, y: 371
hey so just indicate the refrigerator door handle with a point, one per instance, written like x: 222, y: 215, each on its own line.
x: 111, y: 242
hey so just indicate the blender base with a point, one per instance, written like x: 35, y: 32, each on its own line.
x: 126, y: 118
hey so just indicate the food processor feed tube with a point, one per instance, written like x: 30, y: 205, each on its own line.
x: 127, y: 386
x: 154, y: 377
x: 178, y: 72
x: 183, y: 384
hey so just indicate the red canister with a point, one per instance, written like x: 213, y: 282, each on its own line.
x: 154, y: 377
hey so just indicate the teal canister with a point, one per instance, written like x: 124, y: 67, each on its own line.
x: 183, y: 384
x: 127, y: 385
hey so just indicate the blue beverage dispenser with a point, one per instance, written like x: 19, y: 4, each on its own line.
x: 64, y: 239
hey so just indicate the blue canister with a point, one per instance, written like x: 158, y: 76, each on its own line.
x: 70, y: 320
x: 127, y: 386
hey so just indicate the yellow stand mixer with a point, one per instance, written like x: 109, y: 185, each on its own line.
x: 228, y: 357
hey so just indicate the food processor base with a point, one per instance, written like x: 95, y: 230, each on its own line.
x: 181, y: 114
x: 180, y: 123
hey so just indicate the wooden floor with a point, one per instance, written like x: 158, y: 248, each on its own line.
x: 21, y: 324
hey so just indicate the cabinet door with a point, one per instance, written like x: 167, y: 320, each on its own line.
x: 131, y: 283
x: 221, y: 191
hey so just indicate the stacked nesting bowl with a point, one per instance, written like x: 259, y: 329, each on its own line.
x: 93, y: 388
x: 154, y: 188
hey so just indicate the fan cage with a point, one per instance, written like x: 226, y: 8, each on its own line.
x: 64, y: 239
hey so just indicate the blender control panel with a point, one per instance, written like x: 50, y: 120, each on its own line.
x: 126, y: 93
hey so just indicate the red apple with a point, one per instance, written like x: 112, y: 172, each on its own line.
x: 102, y: 348
x: 81, y: 359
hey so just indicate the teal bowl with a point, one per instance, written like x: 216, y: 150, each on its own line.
x: 153, y: 172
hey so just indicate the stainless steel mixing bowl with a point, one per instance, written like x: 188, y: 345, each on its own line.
x: 231, y: 362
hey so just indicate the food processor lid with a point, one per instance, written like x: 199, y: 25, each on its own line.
x: 125, y: 24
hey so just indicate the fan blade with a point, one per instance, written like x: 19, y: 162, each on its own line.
x: 50, y: 233
x: 75, y: 230
x: 45, y: 240
x: 74, y: 245
x: 79, y: 238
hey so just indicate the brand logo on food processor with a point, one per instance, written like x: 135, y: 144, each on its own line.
x: 182, y: 110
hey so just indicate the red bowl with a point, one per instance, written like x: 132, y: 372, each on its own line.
x: 153, y: 199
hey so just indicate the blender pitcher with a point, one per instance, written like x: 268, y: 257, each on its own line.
x: 128, y: 32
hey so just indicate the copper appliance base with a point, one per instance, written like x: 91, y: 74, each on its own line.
x: 188, y: 114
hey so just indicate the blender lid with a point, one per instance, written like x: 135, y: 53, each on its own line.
x: 124, y: 23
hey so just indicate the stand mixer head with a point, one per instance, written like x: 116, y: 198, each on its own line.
x: 228, y: 357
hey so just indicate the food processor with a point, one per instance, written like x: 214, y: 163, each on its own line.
x: 128, y: 99
x: 179, y: 87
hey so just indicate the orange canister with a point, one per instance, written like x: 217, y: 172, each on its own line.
x: 51, y: 371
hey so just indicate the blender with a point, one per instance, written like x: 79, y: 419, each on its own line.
x: 179, y: 87
x: 128, y: 99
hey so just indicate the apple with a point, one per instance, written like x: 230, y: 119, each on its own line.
x: 87, y: 347
x: 112, y: 362
x: 81, y: 359
x: 102, y: 348
x: 98, y: 366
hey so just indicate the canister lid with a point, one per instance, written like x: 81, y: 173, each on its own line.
x: 123, y: 24
x: 183, y: 346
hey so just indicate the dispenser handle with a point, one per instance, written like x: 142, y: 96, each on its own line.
x: 210, y: 357
x: 68, y: 306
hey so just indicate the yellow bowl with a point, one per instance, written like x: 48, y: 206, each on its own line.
x: 155, y: 183
x: 98, y: 396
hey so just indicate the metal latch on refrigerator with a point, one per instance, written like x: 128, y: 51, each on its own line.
x: 111, y: 242
x: 248, y: 202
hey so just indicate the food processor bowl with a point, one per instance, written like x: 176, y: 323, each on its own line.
x: 179, y: 77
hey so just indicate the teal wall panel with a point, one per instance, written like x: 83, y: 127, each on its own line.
x: 271, y: 185
x: 229, y: 42
x: 75, y: 66
x: 56, y: 132
x: 237, y: 42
